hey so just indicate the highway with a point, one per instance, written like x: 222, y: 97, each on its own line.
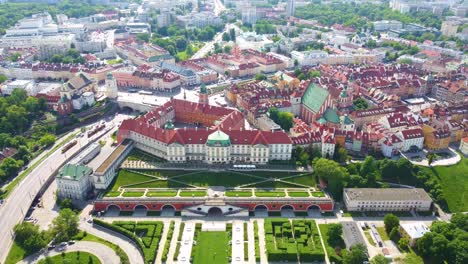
x: 17, y: 204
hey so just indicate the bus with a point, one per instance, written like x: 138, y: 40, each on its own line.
x: 145, y: 92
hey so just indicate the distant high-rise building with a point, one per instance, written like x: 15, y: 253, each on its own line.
x: 290, y: 8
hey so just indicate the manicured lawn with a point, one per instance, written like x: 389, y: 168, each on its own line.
x: 125, y: 177
x: 369, y: 238
x: 16, y: 254
x: 112, y: 194
x: 192, y: 193
x: 318, y: 194
x: 238, y: 193
x: 454, y: 183
x: 298, y: 194
x: 211, y: 248
x: 73, y: 257
x: 133, y: 194
x: 225, y: 178
x: 161, y: 194
x: 269, y: 194
x: 383, y: 233
x: 131, y: 179
x: 137, y: 180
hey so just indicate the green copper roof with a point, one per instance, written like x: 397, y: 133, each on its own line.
x: 345, y: 120
x: 331, y: 116
x: 203, y: 88
x: 314, y: 97
x: 218, y: 138
x: 343, y: 93
x: 74, y: 172
x: 169, y: 125
x: 322, y: 121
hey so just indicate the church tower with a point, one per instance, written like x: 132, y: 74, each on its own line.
x: 111, y: 87
x: 203, y: 97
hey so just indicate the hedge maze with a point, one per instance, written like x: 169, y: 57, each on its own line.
x: 148, y: 235
x: 294, y: 241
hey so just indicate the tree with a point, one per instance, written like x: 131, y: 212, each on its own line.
x: 143, y: 37
x: 296, y: 62
x: 391, y: 221
x: 273, y: 113
x: 357, y: 255
x: 314, y: 74
x: 331, y: 172
x: 360, y: 104
x: 460, y: 220
x: 260, y: 77
x: 226, y: 37
x: 403, y: 243
x: 65, y: 225
x: 430, y: 158
x: 368, y: 166
x: 340, y: 155
x: 379, y: 259
x: 335, y: 231
x: 232, y: 34
x: 394, y: 234
x: 47, y: 140
x: 29, y: 237
x: 285, y: 120
x: 3, y: 78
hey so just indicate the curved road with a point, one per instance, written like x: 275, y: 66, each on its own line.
x: 133, y: 253
x: 104, y: 253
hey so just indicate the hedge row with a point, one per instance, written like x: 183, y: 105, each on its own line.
x: 257, y: 243
x: 167, y: 244
x: 179, y: 238
x: 122, y: 231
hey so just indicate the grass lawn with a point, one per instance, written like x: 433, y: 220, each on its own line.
x: 16, y: 254
x: 73, y: 257
x: 383, y: 234
x: 410, y: 258
x: 133, y: 194
x: 298, y: 194
x: 454, y: 183
x: 330, y: 250
x: 225, y: 178
x: 192, y: 193
x: 89, y: 237
x: 318, y: 194
x: 137, y: 180
x: 211, y: 248
x: 369, y: 237
x: 161, y: 194
x: 112, y: 194
x: 238, y: 193
x: 269, y: 194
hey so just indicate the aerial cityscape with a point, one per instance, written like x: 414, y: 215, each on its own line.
x: 233, y: 131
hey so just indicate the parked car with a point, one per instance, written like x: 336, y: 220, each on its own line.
x: 71, y: 242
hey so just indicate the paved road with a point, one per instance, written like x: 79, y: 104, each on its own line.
x: 122, y: 241
x: 20, y: 199
x: 104, y: 253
